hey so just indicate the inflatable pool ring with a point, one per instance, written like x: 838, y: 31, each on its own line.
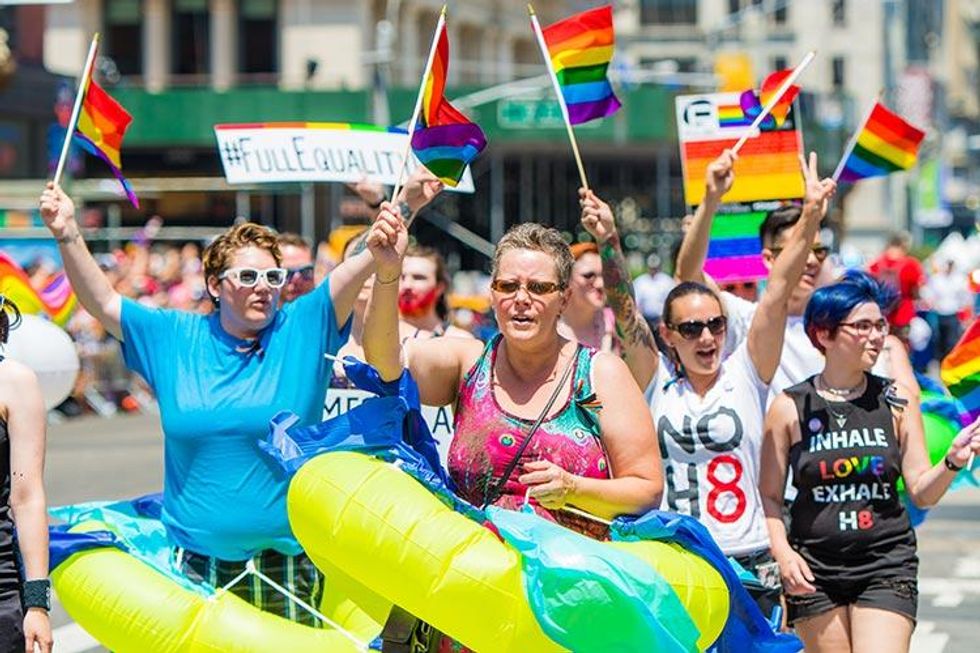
x: 50, y: 352
x: 130, y: 607
x: 390, y: 534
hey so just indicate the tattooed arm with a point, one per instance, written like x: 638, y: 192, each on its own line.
x: 639, y: 348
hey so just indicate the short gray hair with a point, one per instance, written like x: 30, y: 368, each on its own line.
x: 538, y: 238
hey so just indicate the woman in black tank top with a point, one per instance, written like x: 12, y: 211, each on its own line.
x: 848, y: 563
x: 24, y: 599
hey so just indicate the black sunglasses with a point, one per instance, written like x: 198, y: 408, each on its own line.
x: 692, y: 329
x: 305, y: 273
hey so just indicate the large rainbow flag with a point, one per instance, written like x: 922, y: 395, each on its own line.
x: 102, y: 123
x: 884, y: 144
x: 734, y: 248
x: 445, y: 140
x: 56, y: 300
x: 960, y: 370
x: 581, y: 47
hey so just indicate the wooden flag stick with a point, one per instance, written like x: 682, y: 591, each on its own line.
x: 79, y: 96
x: 854, y: 139
x: 561, y: 98
x: 766, y: 110
x: 440, y: 25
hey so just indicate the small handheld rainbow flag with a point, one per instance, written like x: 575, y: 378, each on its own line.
x: 580, y: 48
x: 752, y: 104
x: 444, y: 140
x: 882, y: 145
x: 960, y: 370
x: 56, y: 300
x: 98, y: 123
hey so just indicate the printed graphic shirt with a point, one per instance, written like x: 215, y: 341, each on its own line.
x: 711, y: 447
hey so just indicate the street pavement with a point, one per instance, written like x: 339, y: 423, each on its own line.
x: 93, y: 458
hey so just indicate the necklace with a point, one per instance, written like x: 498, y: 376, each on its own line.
x: 839, y: 392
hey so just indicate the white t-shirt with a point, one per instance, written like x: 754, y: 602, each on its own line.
x: 711, y: 447
x: 799, y: 360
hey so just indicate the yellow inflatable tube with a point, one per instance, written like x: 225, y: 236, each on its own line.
x: 387, y: 532
x: 130, y: 607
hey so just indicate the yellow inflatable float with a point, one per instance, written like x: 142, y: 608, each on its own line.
x: 391, y: 535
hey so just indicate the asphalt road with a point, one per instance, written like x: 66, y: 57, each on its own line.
x: 93, y: 458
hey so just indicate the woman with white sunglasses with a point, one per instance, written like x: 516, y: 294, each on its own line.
x: 219, y: 379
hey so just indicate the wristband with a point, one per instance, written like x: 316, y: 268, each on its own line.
x: 37, y: 594
x: 950, y: 465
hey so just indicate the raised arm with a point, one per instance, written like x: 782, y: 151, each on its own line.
x: 781, y: 428
x: 88, y: 281
x: 26, y: 425
x: 719, y: 178
x: 765, y: 339
x: 348, y: 278
x: 630, y: 440
x: 639, y: 347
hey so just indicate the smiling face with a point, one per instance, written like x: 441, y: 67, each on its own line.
x: 522, y: 315
x: 848, y: 344
x: 588, y: 291
x: 700, y: 356
x: 246, y: 311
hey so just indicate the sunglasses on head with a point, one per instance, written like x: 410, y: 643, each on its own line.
x: 820, y: 251
x: 537, y: 288
x: 249, y: 277
x: 692, y: 329
x: 305, y: 272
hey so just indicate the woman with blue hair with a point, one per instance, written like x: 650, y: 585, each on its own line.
x: 848, y: 562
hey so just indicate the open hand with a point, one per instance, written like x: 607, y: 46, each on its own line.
x: 548, y: 483
x: 387, y: 240
x: 37, y: 631
x: 720, y: 175
x: 370, y: 191
x: 597, y: 217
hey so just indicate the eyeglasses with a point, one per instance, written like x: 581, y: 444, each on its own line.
x: 249, y: 277
x: 820, y: 251
x: 536, y: 288
x: 305, y: 272
x: 692, y: 329
x: 865, y: 327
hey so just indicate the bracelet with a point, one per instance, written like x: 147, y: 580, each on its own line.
x: 950, y: 465
x: 379, y: 282
x: 37, y: 594
x: 65, y: 240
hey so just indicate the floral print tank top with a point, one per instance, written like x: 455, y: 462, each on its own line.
x: 487, y: 437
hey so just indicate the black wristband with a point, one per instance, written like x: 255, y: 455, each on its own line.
x: 950, y: 466
x: 37, y: 594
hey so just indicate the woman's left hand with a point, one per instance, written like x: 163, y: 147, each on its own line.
x: 37, y: 631
x: 548, y: 483
x: 965, y: 444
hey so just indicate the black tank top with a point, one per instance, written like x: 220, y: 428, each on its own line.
x: 847, y: 520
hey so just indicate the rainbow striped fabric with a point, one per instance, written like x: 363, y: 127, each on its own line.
x: 102, y: 123
x: 445, y: 140
x: 580, y: 48
x: 734, y: 248
x: 752, y: 104
x: 885, y: 144
x: 55, y: 301
x: 960, y: 370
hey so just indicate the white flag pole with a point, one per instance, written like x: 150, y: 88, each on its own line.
x: 440, y: 25
x: 79, y: 96
x: 561, y: 98
x: 775, y: 99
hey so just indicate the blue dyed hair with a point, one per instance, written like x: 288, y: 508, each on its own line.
x: 830, y: 305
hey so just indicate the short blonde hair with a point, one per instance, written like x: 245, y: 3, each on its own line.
x: 217, y: 256
x: 538, y: 238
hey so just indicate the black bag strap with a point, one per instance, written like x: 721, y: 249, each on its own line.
x: 498, y: 487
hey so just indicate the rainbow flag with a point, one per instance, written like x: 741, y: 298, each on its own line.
x: 580, y: 48
x: 752, y: 104
x: 734, y: 248
x: 56, y: 300
x: 102, y: 123
x: 960, y: 370
x: 884, y: 144
x: 445, y: 140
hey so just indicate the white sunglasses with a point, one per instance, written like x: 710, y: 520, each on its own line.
x: 249, y: 277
